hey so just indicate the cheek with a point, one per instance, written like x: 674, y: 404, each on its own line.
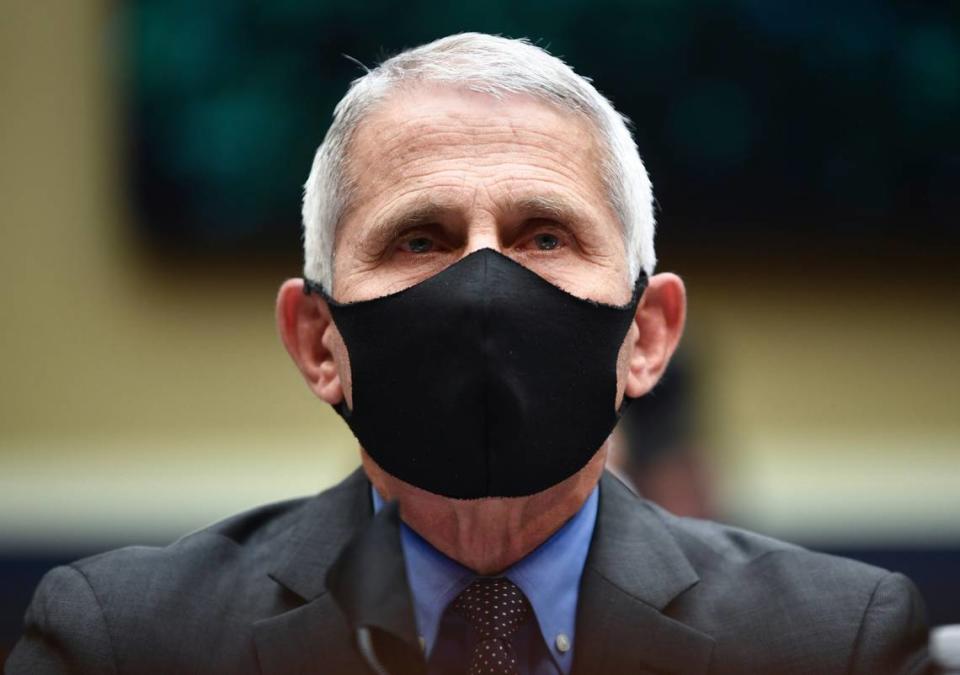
x: 586, y: 275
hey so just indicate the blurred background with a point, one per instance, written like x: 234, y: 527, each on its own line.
x: 805, y: 159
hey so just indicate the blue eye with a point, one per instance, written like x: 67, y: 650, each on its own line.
x: 420, y: 245
x: 546, y: 241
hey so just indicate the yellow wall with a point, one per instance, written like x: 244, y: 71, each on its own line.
x: 144, y: 397
x: 135, y: 390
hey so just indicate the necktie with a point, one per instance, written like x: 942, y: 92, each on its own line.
x: 495, y: 608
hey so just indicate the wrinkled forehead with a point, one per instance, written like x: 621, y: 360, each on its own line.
x: 419, y: 128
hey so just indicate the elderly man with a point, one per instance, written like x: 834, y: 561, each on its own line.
x: 479, y: 306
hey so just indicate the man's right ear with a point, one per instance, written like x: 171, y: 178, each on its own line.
x: 312, y: 340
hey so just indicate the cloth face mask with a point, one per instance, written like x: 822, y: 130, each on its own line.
x: 484, y: 380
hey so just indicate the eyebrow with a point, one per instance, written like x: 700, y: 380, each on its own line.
x: 547, y: 206
x: 423, y: 213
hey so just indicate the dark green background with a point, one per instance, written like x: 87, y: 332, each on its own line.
x: 764, y: 124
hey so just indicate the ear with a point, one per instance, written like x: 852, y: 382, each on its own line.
x: 311, y: 339
x: 655, y: 333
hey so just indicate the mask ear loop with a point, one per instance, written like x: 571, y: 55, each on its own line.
x: 638, y: 290
x: 311, y: 287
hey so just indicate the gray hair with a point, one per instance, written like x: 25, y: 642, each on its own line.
x: 496, y: 66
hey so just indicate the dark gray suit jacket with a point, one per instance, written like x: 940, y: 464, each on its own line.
x: 318, y: 586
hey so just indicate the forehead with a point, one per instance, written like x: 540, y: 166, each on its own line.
x: 442, y: 137
x: 420, y: 106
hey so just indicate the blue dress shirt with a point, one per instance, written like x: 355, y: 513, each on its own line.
x: 549, y: 576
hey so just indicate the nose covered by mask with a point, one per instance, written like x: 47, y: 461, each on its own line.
x: 484, y: 380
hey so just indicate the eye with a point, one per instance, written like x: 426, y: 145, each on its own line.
x: 546, y: 241
x: 417, y: 245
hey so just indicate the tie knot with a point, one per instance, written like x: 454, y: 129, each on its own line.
x: 495, y: 607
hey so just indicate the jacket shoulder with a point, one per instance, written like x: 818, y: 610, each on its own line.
x: 187, y: 606
x: 775, y: 605
x: 245, y: 544
x: 219, y: 549
x: 718, y: 551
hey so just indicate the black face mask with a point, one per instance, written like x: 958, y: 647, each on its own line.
x: 484, y: 380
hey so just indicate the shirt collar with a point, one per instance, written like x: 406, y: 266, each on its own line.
x: 549, y: 576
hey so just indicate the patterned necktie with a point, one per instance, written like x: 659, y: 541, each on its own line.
x: 496, y: 608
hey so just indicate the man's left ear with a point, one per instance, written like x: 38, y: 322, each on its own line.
x: 655, y: 332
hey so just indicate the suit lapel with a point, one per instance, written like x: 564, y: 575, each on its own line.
x: 634, y: 570
x: 369, y: 583
x: 326, y: 525
x: 312, y: 636
x: 341, y: 569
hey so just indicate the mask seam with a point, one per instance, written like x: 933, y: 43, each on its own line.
x: 485, y: 384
